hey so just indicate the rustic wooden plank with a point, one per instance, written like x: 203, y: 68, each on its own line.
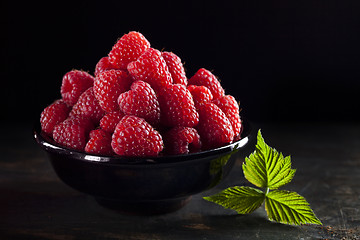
x: 35, y: 204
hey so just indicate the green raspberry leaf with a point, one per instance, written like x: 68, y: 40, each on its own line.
x: 266, y: 167
x: 289, y: 208
x: 241, y: 199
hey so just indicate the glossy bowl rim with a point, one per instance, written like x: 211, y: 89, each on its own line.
x: 50, y: 146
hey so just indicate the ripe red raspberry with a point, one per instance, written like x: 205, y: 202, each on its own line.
x: 214, y: 127
x: 230, y: 107
x: 176, y: 67
x: 74, y: 83
x: 182, y: 140
x: 52, y: 115
x: 103, y: 65
x: 141, y: 101
x: 133, y: 136
x: 88, y: 106
x: 205, y: 78
x: 110, y: 120
x: 108, y: 86
x: 73, y: 132
x: 127, y: 49
x: 99, y: 143
x: 200, y: 94
x: 151, y: 67
x: 177, y: 106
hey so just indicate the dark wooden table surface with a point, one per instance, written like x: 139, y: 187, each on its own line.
x: 35, y: 204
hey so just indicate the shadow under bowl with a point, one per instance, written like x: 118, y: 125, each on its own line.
x: 142, y: 186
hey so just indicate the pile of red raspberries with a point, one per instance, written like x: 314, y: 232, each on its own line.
x: 140, y: 103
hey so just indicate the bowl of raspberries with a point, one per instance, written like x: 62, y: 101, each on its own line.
x: 138, y: 134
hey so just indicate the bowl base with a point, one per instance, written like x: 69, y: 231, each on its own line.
x: 151, y: 207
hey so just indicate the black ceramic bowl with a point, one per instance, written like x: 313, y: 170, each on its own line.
x: 142, y: 185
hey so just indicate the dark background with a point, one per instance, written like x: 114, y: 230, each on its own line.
x: 283, y: 60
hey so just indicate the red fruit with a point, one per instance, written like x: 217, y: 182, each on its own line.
x: 214, y: 127
x: 133, y: 136
x: 73, y: 132
x: 177, y: 106
x: 103, y: 65
x: 74, y: 83
x: 230, y: 107
x: 182, y: 140
x: 175, y: 67
x: 151, y: 67
x: 127, y: 49
x: 52, y: 115
x: 108, y: 86
x: 141, y: 101
x: 200, y: 94
x: 110, y: 120
x: 99, y: 143
x: 88, y: 106
x: 205, y: 78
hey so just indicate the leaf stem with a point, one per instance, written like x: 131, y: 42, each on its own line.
x: 267, y: 190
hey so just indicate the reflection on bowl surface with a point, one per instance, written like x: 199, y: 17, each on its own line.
x: 153, y: 185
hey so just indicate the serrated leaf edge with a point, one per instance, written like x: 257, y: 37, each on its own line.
x: 242, y: 206
x: 266, y: 167
x: 287, y: 215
